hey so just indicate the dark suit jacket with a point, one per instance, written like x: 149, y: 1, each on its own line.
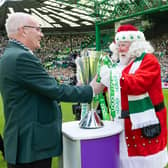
x: 32, y: 117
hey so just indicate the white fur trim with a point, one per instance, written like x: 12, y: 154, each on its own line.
x: 138, y: 97
x: 129, y: 36
x: 158, y: 160
x: 134, y: 67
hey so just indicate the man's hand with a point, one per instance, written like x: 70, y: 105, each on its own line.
x: 97, y: 87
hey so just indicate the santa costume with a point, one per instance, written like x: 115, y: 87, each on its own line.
x: 141, y: 99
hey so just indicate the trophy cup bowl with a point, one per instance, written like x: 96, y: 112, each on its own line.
x: 86, y: 71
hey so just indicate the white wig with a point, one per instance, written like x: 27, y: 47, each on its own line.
x: 113, y: 48
x: 139, y: 47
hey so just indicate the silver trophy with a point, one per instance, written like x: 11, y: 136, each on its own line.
x: 86, y: 71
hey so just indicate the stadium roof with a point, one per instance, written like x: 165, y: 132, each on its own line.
x: 80, y: 15
x: 59, y: 15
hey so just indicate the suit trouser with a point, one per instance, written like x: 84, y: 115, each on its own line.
x: 1, y: 145
x: 45, y: 163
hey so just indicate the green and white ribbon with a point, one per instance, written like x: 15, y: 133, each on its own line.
x: 103, y: 107
x: 115, y: 95
x: 84, y: 109
x: 103, y: 61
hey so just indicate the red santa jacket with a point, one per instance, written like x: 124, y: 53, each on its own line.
x: 147, y: 78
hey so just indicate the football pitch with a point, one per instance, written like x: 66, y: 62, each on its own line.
x: 67, y: 116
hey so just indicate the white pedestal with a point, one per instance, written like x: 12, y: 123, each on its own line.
x: 91, y: 148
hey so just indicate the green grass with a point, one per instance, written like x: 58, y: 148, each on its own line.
x: 2, y: 162
x: 67, y: 116
x: 165, y: 92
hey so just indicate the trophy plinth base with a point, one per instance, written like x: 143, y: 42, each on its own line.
x: 91, y: 120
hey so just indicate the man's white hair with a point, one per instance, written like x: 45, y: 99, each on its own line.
x: 15, y: 21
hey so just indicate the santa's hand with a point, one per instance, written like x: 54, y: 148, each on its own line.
x: 105, y: 75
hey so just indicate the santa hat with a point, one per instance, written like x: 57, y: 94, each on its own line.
x: 128, y: 33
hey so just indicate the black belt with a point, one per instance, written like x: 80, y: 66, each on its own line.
x: 158, y: 107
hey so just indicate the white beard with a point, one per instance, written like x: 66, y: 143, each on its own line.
x: 124, y: 58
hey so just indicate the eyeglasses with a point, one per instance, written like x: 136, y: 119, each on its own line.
x: 33, y: 27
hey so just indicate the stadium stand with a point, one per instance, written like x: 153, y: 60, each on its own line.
x: 58, y: 53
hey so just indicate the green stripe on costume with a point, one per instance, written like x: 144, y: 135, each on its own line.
x: 139, y: 106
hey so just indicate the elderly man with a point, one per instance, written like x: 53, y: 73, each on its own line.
x: 137, y: 100
x: 32, y: 134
